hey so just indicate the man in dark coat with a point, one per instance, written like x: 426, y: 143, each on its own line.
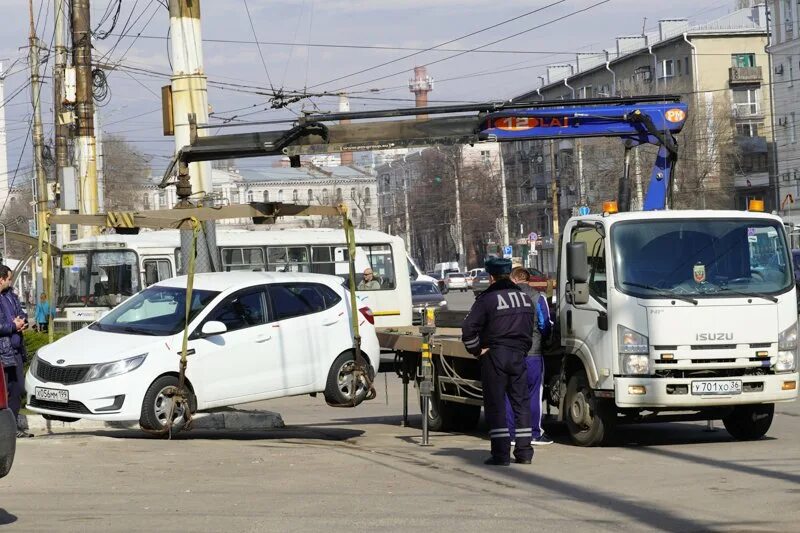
x: 13, y: 321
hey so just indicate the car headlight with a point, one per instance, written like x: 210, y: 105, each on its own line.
x: 634, y: 351
x: 787, y: 350
x: 115, y: 368
x: 34, y: 366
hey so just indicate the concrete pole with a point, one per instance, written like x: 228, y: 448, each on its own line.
x: 60, y: 127
x: 637, y: 172
x: 405, y: 206
x: 190, y: 97
x: 40, y: 191
x: 504, y: 196
x: 85, y: 147
x: 4, y: 177
x: 459, y: 227
x: 101, y: 204
x: 581, y: 177
x: 554, y: 192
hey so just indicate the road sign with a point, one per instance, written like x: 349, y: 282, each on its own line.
x: 583, y: 210
x: 532, y: 236
x: 508, y: 251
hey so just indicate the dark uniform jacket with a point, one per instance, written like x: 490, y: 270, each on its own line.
x: 501, y: 317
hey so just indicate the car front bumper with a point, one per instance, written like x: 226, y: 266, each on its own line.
x: 8, y: 440
x: 757, y: 389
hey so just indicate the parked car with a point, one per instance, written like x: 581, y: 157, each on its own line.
x: 8, y: 429
x: 538, y: 279
x: 253, y: 336
x: 480, y: 283
x: 455, y: 281
x: 472, y: 274
x: 422, y: 294
x: 439, y: 281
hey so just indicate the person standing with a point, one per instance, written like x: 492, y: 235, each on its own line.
x: 534, y: 361
x: 43, y: 313
x: 498, y: 330
x: 13, y: 321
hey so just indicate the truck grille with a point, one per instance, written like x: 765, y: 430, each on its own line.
x: 66, y: 375
x: 69, y: 407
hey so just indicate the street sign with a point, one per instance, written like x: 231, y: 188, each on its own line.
x: 583, y: 210
x: 533, y: 236
x: 508, y: 251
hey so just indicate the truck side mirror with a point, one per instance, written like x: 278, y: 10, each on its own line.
x: 580, y: 293
x: 577, y: 262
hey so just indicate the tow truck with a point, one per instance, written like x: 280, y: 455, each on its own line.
x: 661, y: 314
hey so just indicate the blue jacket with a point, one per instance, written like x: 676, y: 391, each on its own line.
x: 10, y: 308
x: 501, y: 317
x: 42, y: 312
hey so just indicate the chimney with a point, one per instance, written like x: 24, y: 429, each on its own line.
x: 346, y: 158
x: 671, y: 27
x: 629, y: 43
x: 421, y: 85
x: 558, y: 72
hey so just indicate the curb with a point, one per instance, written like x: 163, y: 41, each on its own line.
x: 232, y: 420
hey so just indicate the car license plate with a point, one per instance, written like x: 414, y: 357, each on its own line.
x: 52, y: 395
x: 723, y: 387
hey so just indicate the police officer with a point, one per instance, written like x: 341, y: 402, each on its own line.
x: 498, y: 330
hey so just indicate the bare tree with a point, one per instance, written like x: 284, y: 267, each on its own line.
x: 126, y: 173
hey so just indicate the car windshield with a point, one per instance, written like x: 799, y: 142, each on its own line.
x: 701, y: 258
x: 154, y: 311
x: 419, y: 289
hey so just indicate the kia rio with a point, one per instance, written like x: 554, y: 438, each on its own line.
x: 252, y: 336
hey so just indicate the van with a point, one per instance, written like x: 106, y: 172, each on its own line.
x: 443, y: 268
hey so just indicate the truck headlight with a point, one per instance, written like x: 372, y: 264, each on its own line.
x: 787, y: 350
x: 634, y: 351
x: 115, y: 368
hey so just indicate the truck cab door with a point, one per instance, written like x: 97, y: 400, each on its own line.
x: 584, y: 326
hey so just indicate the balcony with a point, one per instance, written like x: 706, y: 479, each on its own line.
x: 744, y: 75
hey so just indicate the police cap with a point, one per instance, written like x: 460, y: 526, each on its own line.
x: 496, y: 266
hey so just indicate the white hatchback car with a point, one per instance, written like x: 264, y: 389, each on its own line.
x: 253, y: 336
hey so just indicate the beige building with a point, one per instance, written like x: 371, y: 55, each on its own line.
x: 721, y: 70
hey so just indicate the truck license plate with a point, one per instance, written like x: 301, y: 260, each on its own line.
x: 52, y: 395
x: 725, y: 387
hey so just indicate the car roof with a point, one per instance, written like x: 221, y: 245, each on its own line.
x: 222, y: 281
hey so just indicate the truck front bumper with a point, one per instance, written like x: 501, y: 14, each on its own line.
x: 647, y: 392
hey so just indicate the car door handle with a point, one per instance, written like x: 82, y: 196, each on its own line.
x: 263, y: 338
x: 331, y: 323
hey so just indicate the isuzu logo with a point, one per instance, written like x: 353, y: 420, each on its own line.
x: 714, y: 336
x: 60, y: 362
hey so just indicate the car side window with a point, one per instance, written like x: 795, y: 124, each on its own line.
x: 242, y: 310
x: 330, y: 296
x: 286, y: 303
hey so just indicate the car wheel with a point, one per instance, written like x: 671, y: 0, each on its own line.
x: 338, y: 388
x: 749, y: 422
x: 158, y: 403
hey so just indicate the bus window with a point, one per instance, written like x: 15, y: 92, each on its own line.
x: 251, y: 259
x: 382, y: 263
x: 288, y: 259
x: 74, y: 279
x: 156, y: 270
x: 114, y: 276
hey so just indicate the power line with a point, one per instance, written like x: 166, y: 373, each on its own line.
x: 260, y: 54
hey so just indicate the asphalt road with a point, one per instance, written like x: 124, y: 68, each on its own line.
x: 459, y: 301
x: 358, y: 469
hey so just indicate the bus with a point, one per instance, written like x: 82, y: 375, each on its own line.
x: 98, y: 273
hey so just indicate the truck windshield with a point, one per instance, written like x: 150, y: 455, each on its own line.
x: 98, y: 278
x: 154, y: 311
x: 701, y: 258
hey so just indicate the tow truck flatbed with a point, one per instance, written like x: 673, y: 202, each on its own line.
x: 447, y: 341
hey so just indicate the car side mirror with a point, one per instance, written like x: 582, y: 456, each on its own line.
x: 577, y: 262
x: 213, y: 327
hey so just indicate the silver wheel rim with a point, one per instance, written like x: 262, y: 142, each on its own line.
x: 163, y: 404
x: 344, y: 380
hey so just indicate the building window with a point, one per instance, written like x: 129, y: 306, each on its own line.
x: 295, y: 196
x: 338, y: 195
x: 367, y: 211
x: 367, y: 196
x: 792, y: 128
x: 791, y: 71
x: 686, y: 64
x: 585, y: 92
x: 748, y: 129
x: 788, y: 24
x: 679, y: 69
x: 325, y: 197
x: 743, y: 60
x: 234, y: 196
x: 310, y: 196
x: 352, y: 193
x: 667, y: 68
x: 280, y: 195
x: 266, y: 196
x: 146, y: 200
x: 642, y: 74
x: 745, y: 102
x: 73, y: 231
x: 250, y: 197
x: 486, y: 156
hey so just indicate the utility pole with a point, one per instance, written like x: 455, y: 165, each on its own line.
x: 85, y: 144
x: 3, y: 156
x: 504, y: 196
x: 189, y: 98
x: 64, y: 172
x: 406, y: 171
x: 462, y: 263
x: 581, y: 178
x: 554, y: 192
x: 637, y: 172
x: 40, y: 190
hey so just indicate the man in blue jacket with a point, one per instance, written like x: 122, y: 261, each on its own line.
x: 13, y: 321
x: 498, y: 330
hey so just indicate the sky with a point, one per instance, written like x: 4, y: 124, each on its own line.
x: 346, y: 36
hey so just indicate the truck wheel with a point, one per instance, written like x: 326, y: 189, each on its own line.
x: 749, y: 422
x: 337, y: 388
x: 450, y: 416
x: 590, y: 420
x: 465, y: 417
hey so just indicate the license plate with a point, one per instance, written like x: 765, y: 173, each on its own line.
x: 52, y: 395
x: 724, y: 387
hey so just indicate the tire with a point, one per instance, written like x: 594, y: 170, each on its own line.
x: 337, y: 386
x: 156, y: 406
x: 749, y: 422
x: 591, y: 421
x: 450, y: 416
x: 6, y: 463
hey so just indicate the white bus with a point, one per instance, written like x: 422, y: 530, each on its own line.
x: 97, y: 273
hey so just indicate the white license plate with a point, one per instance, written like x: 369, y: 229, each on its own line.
x: 723, y: 387
x: 52, y: 395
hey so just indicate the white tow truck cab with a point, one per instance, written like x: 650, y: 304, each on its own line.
x: 668, y: 315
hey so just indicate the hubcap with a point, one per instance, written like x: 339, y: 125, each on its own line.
x: 165, y: 404
x: 580, y: 411
x: 345, y: 379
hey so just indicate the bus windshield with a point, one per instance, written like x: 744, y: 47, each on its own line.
x: 98, y: 278
x: 701, y: 258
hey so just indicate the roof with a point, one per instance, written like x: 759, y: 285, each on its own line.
x: 681, y: 214
x: 222, y: 281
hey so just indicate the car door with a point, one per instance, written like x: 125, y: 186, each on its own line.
x: 239, y: 363
x: 298, y: 332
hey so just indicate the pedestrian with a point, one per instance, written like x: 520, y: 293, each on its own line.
x: 368, y: 282
x: 535, y: 360
x: 498, y: 330
x: 13, y: 321
x: 43, y: 313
